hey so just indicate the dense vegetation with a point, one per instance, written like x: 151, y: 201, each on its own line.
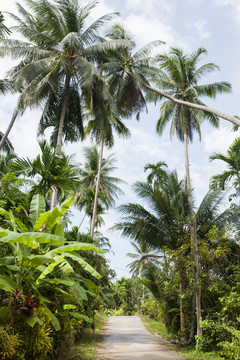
x: 53, y: 276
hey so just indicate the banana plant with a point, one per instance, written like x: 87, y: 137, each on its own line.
x: 40, y: 259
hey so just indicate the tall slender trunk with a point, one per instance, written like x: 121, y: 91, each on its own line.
x: 138, y: 305
x: 182, y: 314
x: 84, y: 217
x: 193, y: 237
x: 60, y: 133
x: 216, y: 112
x: 92, y: 226
x: 10, y: 125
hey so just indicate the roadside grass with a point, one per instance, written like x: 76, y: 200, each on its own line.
x: 84, y: 349
x: 188, y: 352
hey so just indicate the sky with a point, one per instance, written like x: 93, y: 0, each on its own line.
x: 190, y: 24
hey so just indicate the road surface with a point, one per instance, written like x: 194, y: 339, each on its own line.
x: 126, y: 338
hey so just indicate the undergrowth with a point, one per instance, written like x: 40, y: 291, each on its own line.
x: 188, y: 352
x: 84, y: 349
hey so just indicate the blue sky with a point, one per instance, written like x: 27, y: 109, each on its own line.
x: 189, y: 24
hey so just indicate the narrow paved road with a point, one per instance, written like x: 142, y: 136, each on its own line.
x: 125, y: 338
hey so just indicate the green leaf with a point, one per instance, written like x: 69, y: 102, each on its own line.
x: 54, y: 320
x: 75, y: 246
x: 69, y: 307
x: 80, y: 316
x: 67, y: 268
x: 21, y: 226
x: 50, y: 218
x: 31, y: 321
x: 37, y: 207
x: 7, y: 284
x: 59, y: 228
x: 61, y: 281
x: 31, y: 239
x: 79, y: 292
x: 50, y: 268
x: 84, y: 264
x: 4, y: 213
x: 36, y: 260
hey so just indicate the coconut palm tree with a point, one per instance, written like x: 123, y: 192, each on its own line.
x: 102, y: 127
x: 130, y: 76
x: 232, y: 160
x: 49, y: 170
x: 145, y: 254
x: 180, y: 74
x: 59, y: 57
x: 59, y: 52
x: 127, y: 71
x: 163, y: 222
x: 108, y: 186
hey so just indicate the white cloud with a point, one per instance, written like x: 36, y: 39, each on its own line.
x: 235, y: 4
x: 219, y: 140
x: 150, y: 7
x: 201, y: 29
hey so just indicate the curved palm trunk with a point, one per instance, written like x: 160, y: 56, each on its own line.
x: 193, y: 237
x: 216, y: 112
x: 60, y: 134
x: 93, y: 221
x: 10, y: 125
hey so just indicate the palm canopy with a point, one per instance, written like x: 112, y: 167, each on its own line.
x: 179, y: 77
x: 127, y: 71
x: 232, y: 160
x: 4, y: 31
x: 50, y: 170
x: 209, y: 213
x: 58, y: 55
x: 157, y: 173
x: 162, y: 221
x: 144, y: 255
x: 109, y: 189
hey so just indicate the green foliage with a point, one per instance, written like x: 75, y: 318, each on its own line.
x: 9, y: 343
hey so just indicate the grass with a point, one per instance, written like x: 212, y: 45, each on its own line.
x: 191, y: 353
x: 84, y: 349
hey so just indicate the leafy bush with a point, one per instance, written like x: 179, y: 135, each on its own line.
x: 9, y: 342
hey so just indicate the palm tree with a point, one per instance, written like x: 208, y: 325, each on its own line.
x: 108, y: 186
x: 157, y: 174
x: 60, y: 58
x: 127, y: 71
x: 163, y: 222
x: 5, y: 163
x: 145, y: 254
x: 4, y: 31
x: 59, y: 53
x: 232, y: 160
x: 179, y: 76
x: 51, y: 169
x: 129, y: 75
x: 101, y: 127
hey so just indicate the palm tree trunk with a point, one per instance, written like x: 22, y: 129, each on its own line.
x: 182, y: 314
x: 92, y: 226
x: 193, y: 237
x: 63, y: 113
x: 10, y: 125
x: 138, y: 296
x: 216, y: 112
x: 60, y: 134
x: 84, y: 217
